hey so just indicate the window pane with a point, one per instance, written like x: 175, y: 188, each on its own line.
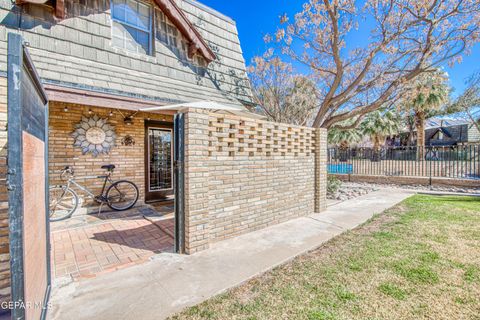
x: 132, y: 13
x: 118, y: 42
x: 118, y: 10
x: 144, y: 22
x: 131, y: 25
x: 143, y: 40
x: 118, y: 30
x: 143, y: 10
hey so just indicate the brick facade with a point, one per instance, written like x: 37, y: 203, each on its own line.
x: 4, y: 244
x: 243, y: 175
x: 129, y: 160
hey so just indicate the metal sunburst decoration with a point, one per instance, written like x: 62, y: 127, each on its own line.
x: 94, y: 135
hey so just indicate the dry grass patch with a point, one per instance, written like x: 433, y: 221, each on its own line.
x: 419, y: 260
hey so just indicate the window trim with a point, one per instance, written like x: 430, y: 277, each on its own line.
x: 150, y: 31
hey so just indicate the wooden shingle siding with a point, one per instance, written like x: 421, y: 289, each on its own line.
x: 473, y: 133
x: 77, y: 51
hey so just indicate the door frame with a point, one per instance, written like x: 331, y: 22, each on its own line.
x: 179, y: 175
x: 166, y: 194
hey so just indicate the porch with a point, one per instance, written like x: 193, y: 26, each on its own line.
x: 88, y: 245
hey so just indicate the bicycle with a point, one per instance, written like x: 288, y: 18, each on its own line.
x: 120, y: 196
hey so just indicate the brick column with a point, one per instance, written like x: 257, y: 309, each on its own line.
x: 196, y: 181
x: 320, y: 170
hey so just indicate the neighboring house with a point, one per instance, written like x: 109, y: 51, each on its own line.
x: 121, y: 65
x: 441, y: 131
x: 445, y: 132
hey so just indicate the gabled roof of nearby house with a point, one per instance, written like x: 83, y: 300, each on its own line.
x: 440, y: 122
x: 445, y: 131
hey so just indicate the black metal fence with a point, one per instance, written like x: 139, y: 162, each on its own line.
x: 462, y: 162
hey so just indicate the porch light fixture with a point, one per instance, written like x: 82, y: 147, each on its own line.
x: 110, y: 114
x: 65, y: 109
x: 90, y: 111
x: 128, y: 121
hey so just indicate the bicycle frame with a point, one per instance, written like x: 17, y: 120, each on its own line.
x: 106, y: 178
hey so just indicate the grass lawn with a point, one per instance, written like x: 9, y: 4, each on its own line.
x: 420, y: 259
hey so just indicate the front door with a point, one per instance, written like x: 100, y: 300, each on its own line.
x: 158, y: 161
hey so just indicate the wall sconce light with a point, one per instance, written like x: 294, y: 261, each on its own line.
x: 90, y: 111
x: 110, y: 114
x: 65, y: 109
x: 128, y: 121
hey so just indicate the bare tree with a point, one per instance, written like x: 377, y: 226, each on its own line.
x: 407, y: 38
x: 280, y: 94
x: 469, y: 100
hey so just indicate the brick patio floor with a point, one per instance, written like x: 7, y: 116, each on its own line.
x: 88, y: 245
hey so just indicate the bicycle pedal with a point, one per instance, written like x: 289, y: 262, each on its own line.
x: 100, y: 199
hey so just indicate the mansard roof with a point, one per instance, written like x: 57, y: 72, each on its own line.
x: 76, y: 54
x: 172, y: 11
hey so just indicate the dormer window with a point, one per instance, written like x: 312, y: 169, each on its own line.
x: 132, y: 26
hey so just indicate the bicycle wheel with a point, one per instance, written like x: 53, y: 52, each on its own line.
x: 63, y: 203
x: 122, y: 195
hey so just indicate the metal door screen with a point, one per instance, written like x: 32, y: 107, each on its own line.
x: 27, y: 184
x: 160, y: 155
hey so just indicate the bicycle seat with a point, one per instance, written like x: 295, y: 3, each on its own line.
x: 109, y: 167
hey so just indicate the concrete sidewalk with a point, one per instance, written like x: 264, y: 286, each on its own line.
x: 170, y: 282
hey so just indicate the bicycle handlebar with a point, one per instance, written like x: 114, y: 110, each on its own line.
x: 66, y: 170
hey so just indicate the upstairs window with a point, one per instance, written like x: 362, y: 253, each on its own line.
x: 132, y: 26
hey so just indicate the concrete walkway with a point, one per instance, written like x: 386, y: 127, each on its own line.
x: 170, y: 283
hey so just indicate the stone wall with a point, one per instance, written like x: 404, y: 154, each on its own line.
x: 243, y: 175
x: 4, y: 244
x: 129, y: 160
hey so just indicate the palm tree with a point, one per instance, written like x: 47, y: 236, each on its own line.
x: 424, y: 98
x: 343, y: 138
x: 378, y: 125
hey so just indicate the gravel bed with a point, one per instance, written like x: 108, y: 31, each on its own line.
x: 351, y: 190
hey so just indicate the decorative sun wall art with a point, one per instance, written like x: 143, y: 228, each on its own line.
x: 94, y: 135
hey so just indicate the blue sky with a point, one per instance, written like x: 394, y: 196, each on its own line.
x: 257, y: 18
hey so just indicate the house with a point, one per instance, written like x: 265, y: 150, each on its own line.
x: 115, y: 74
x: 441, y: 131
x: 455, y: 131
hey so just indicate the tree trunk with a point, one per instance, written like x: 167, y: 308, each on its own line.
x: 420, y: 125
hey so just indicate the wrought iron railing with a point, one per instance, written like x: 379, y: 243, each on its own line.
x: 461, y: 162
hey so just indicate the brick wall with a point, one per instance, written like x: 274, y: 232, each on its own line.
x: 128, y: 159
x: 4, y: 244
x: 244, y: 175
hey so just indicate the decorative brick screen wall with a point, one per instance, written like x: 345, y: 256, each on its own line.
x: 4, y: 244
x: 243, y: 175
